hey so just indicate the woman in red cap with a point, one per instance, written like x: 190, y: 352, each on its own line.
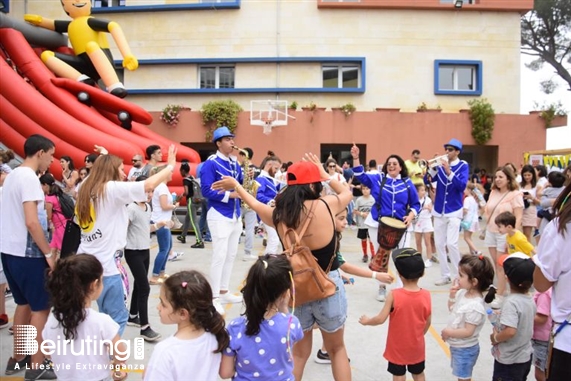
x: 304, y: 180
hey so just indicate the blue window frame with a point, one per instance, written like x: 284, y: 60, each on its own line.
x: 5, y: 6
x: 458, y: 77
x: 121, y: 6
x: 348, y: 77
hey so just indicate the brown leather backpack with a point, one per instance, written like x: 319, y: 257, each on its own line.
x: 310, y: 281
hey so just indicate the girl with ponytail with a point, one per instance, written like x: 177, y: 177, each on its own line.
x: 186, y: 300
x: 74, y: 284
x: 261, y: 340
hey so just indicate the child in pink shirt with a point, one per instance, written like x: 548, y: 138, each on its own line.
x: 541, y: 330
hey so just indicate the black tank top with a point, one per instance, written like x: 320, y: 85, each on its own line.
x: 324, y: 254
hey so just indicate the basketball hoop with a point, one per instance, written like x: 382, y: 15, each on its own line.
x: 268, y: 125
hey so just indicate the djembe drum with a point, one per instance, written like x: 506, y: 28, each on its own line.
x: 390, y: 233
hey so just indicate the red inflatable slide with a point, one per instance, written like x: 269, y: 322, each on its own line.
x: 34, y: 101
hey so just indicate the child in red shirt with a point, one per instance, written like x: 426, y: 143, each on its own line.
x: 410, y: 314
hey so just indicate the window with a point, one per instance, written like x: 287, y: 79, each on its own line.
x: 217, y: 77
x: 457, y: 77
x: 340, y: 76
x: 5, y: 6
x: 108, y: 3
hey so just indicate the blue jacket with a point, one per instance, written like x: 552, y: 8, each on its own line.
x: 268, y: 189
x: 450, y: 189
x: 398, y: 196
x: 211, y: 171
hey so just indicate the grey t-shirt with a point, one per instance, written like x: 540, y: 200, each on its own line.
x: 139, y: 231
x: 518, y: 312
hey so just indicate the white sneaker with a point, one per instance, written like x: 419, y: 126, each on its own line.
x: 249, y: 257
x: 219, y: 308
x: 175, y: 256
x: 229, y: 298
x: 428, y: 263
x: 443, y: 282
x: 382, y: 294
x: 497, y: 302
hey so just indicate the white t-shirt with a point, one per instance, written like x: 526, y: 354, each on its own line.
x: 425, y: 214
x: 327, y: 188
x: 22, y: 185
x: 466, y: 310
x: 108, y: 231
x: 158, y: 214
x: 134, y: 173
x: 471, y: 207
x: 553, y: 260
x: 176, y: 359
x: 97, y: 326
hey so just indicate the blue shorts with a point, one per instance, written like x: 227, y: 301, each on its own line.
x: 463, y: 360
x: 539, y: 353
x: 329, y: 313
x: 26, y: 277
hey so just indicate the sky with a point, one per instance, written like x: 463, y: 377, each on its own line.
x: 558, y: 137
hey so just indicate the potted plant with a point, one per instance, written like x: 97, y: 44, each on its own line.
x: 171, y: 114
x: 220, y: 113
x: 424, y: 108
x: 482, y: 116
x: 549, y: 113
x: 310, y: 107
x: 292, y: 106
x: 348, y: 109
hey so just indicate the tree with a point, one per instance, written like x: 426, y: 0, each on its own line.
x: 546, y: 34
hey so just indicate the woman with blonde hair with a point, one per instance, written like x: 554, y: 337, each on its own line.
x: 292, y: 207
x: 102, y: 215
x: 505, y: 196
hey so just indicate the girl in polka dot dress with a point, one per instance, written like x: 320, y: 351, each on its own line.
x: 261, y: 340
x: 194, y: 351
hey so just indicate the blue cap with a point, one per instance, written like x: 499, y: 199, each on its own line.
x: 221, y: 132
x: 454, y: 143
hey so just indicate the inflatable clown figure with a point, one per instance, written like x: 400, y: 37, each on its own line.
x: 92, y: 60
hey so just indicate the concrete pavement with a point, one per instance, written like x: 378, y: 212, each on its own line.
x: 365, y: 345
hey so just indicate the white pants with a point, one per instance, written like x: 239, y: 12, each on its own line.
x: 446, y: 233
x: 225, y: 235
x: 250, y: 218
x: 273, y: 243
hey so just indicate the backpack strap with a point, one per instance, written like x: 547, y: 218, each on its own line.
x: 288, y: 242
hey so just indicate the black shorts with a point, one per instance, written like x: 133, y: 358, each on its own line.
x: 363, y: 233
x: 400, y: 370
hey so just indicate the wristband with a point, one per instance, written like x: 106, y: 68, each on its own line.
x: 48, y: 256
x: 374, y: 275
x: 171, y: 167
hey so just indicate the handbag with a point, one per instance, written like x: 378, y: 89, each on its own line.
x: 176, y: 224
x: 310, y: 281
x: 71, y: 238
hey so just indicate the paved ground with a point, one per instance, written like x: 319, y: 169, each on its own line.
x: 365, y: 345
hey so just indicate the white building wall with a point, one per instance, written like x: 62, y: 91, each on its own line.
x: 400, y: 47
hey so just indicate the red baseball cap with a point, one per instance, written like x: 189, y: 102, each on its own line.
x: 303, y: 172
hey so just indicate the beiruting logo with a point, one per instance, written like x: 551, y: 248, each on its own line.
x: 26, y: 344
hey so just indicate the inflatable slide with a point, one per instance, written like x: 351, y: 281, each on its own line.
x: 34, y: 101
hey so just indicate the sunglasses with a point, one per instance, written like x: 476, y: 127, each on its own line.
x: 332, y: 166
x: 135, y: 160
x: 450, y: 149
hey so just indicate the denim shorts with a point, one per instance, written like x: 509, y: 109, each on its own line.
x: 463, y: 360
x: 539, y: 353
x: 329, y: 313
